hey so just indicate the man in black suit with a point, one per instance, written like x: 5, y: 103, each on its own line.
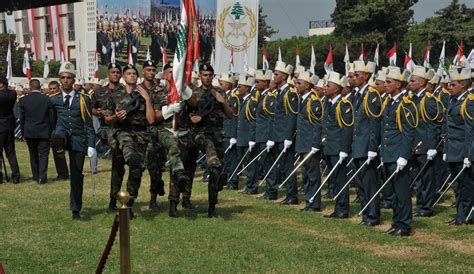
x: 36, y: 127
x: 7, y: 127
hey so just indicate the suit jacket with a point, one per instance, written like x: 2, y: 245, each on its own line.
x: 338, y: 137
x: 35, y: 119
x: 455, y: 144
x: 7, y: 102
x: 286, y: 109
x: 308, y: 127
x: 395, y: 142
x: 77, y: 131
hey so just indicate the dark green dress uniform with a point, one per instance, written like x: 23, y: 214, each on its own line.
x: 308, y: 135
x: 443, y: 96
x: 458, y: 130
x: 469, y: 188
x: 100, y: 100
x: 388, y: 195
x: 243, y: 134
x: 337, y: 132
x: 367, y: 112
x: 230, y: 132
x: 265, y: 112
x: 284, y: 125
x: 398, y: 122
x: 427, y: 134
x: 72, y: 113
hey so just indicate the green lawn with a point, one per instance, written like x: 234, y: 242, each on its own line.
x: 37, y: 235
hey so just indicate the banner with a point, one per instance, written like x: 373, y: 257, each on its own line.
x: 237, y: 30
x: 55, y: 32
x: 33, y: 34
x: 10, y: 23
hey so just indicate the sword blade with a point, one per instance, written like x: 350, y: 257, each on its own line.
x: 296, y: 168
x: 325, y: 180
x: 378, y: 191
x: 274, y: 164
x: 352, y: 178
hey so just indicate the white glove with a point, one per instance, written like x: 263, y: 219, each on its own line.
x: 314, y: 150
x: 134, y: 49
x: 90, y: 152
x: 430, y: 154
x: 287, y: 144
x: 371, y: 155
x: 342, y: 156
x: 176, y: 107
x: 104, y: 50
x: 467, y: 163
x: 401, y: 163
x: 251, y: 145
x: 233, y: 141
x: 186, y: 93
x: 117, y: 44
x: 167, y: 112
x: 444, y: 157
x: 270, y: 144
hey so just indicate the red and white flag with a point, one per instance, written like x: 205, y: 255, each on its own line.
x: 362, y: 55
x: 460, y: 59
x: 9, y: 62
x: 129, y: 54
x: 58, y: 53
x: 426, y: 56
x: 26, y: 64
x: 376, y: 55
x: 30, y: 14
x: 164, y: 56
x: 297, y: 56
x: 392, y: 55
x: 313, y: 60
x: 328, y: 65
x: 408, y: 62
x: 265, y: 64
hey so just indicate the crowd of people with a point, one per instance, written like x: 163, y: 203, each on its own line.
x: 388, y: 133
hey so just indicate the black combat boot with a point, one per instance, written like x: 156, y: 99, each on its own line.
x: 211, y: 211
x: 153, y: 205
x: 187, y: 203
x: 181, y: 180
x: 173, y: 213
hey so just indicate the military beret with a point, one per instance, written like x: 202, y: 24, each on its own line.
x: 206, y: 67
x: 130, y: 66
x: 148, y: 63
x: 167, y: 66
x: 114, y: 65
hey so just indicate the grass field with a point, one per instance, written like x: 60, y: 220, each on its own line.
x: 37, y: 235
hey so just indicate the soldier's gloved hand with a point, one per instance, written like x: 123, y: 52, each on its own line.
x: 444, y: 157
x: 251, y: 145
x: 467, y: 163
x: 186, y: 93
x: 134, y: 49
x: 371, y: 156
x: 176, y: 107
x: 104, y: 50
x: 287, y: 144
x: 342, y: 156
x: 401, y: 163
x: 232, y: 141
x: 314, y: 150
x: 270, y: 144
x: 430, y: 154
x: 167, y: 112
x: 90, y: 152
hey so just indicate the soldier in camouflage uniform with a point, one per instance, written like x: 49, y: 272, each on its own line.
x: 99, y: 103
x: 208, y: 131
x: 130, y: 112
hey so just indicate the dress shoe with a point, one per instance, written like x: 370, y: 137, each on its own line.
x: 173, y: 211
x: 42, y: 181
x: 291, y: 201
x: 285, y: 200
x: 62, y: 177
x: 367, y: 223
x: 391, y: 230
x: 455, y: 222
x: 337, y: 215
x: 329, y: 195
x: 76, y: 216
x: 266, y: 197
x: 310, y: 209
x: 400, y: 233
x: 423, y: 214
x: 187, y: 203
x: 211, y: 211
x: 112, y: 206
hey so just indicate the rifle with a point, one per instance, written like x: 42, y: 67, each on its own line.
x: 135, y: 103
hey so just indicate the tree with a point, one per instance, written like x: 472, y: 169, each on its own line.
x: 17, y: 55
x: 264, y: 30
x: 237, y: 11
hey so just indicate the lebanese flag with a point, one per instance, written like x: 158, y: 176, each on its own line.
x: 46, y: 61
x: 30, y: 14
x: 192, y: 49
x: 26, y: 64
x: 265, y: 64
x: 347, y: 61
x: 213, y: 59
x: 231, y: 60
x: 313, y: 60
x: 392, y: 55
x: 130, y: 57
x: 164, y: 56
x: 9, y: 62
x: 58, y: 52
x: 376, y: 55
x: 328, y: 66
x: 362, y: 55
x: 96, y: 66
x: 426, y: 56
x: 298, y: 56
x: 408, y: 62
x: 460, y: 59
x: 112, y: 56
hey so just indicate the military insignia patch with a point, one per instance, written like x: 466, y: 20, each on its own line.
x: 373, y: 100
x: 67, y: 66
x: 347, y: 110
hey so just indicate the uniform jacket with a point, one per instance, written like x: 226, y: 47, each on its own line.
x: 455, y: 130
x: 308, y: 124
x: 430, y: 115
x: 230, y: 124
x: 286, y: 109
x: 264, y: 116
x: 337, y: 135
x: 245, y: 121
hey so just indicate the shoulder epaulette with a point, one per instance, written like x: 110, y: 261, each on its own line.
x: 54, y: 94
x: 470, y: 97
x: 293, y: 89
x: 84, y: 94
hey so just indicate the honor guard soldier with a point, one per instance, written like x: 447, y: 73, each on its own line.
x: 73, y: 128
x: 337, y: 133
x: 308, y: 138
x: 458, y: 131
x: 284, y: 124
x: 468, y: 111
x: 208, y: 132
x: 427, y: 134
x: 398, y: 124
x: 130, y: 111
x: 100, y: 100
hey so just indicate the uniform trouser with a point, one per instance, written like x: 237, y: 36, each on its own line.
x: 60, y: 162
x: 312, y: 175
x: 189, y: 155
x: 339, y: 179
x: 463, y: 189
x: 251, y: 172
x: 39, y: 152
x: 370, y: 183
x: 230, y: 163
x: 388, y: 195
x: 441, y: 172
x: 76, y: 163
x: 426, y: 186
x: 170, y: 142
x: 154, y: 166
x: 358, y: 182
x: 7, y: 143
x: 211, y: 143
x: 331, y: 183
x: 402, y: 206
x: 283, y: 170
x: 271, y: 187
x: 118, y: 171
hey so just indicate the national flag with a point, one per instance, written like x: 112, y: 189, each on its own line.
x: 231, y: 60
x: 312, y: 64
x: 54, y: 21
x: 130, y: 57
x: 298, y: 56
x: 164, y: 56
x: 442, y: 69
x: 265, y: 64
x: 279, y: 55
x: 96, y: 66
x: 408, y: 62
x: 148, y: 55
x: 30, y: 14
x: 376, y: 55
x: 460, y: 59
x: 362, y: 55
x: 392, y: 55
x: 347, y: 61
x: 112, y: 55
x: 213, y: 59
x: 328, y: 65
x: 426, y: 56
x: 46, y: 61
x: 9, y: 62
x: 26, y: 64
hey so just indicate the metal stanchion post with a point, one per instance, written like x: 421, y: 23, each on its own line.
x: 124, y: 228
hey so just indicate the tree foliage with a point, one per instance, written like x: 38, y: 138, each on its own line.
x: 264, y: 30
x: 17, y: 55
